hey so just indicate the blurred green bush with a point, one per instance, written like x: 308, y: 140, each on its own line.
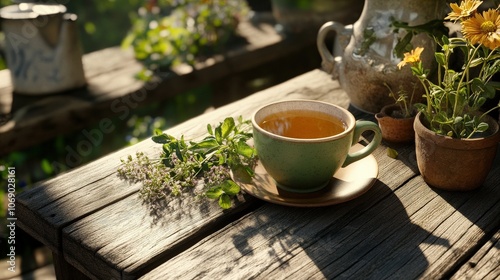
x: 171, y: 32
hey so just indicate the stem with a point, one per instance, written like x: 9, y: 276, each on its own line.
x: 427, y: 96
x: 465, y: 74
x: 489, y: 111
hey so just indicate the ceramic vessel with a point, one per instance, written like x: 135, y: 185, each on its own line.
x: 305, y: 165
x: 42, y: 48
x: 395, y: 128
x: 455, y: 164
x: 363, y: 59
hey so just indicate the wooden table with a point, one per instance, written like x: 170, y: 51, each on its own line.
x: 400, y: 228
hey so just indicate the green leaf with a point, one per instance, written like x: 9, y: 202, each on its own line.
x: 440, y: 58
x: 476, y: 62
x: 225, y: 201
x: 215, y: 192
x: 249, y: 171
x: 205, y: 146
x: 230, y: 187
x: 403, y: 45
x: 244, y: 149
x: 161, y: 138
x: 441, y: 118
x: 392, y: 153
x: 210, y: 130
x: 227, y: 127
x: 167, y: 149
x: 489, y: 91
x: 157, y: 131
x: 222, y: 158
x: 494, y: 84
x: 218, y: 134
x: 178, y: 148
x: 480, y: 102
x: 482, y: 127
x: 46, y: 167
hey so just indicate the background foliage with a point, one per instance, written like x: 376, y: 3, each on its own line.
x: 169, y: 32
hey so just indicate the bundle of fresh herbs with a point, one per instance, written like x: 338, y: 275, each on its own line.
x: 199, y: 167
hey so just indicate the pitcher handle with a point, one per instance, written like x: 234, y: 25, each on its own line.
x: 327, y: 57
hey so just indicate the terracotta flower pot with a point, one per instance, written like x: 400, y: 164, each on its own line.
x: 455, y: 164
x: 396, y: 129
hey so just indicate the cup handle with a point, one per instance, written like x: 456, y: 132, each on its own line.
x: 362, y: 126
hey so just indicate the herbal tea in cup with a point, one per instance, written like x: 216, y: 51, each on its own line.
x: 302, y: 143
x: 302, y: 124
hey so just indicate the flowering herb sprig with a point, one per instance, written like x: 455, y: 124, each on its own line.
x: 455, y: 101
x: 404, y: 101
x: 185, y: 165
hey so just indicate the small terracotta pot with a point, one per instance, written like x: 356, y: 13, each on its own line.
x: 394, y: 129
x: 455, y: 164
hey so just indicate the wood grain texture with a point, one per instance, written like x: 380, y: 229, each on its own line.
x: 130, y: 238
x: 485, y: 264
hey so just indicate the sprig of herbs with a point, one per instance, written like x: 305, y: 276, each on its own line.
x: 185, y: 165
x: 405, y: 102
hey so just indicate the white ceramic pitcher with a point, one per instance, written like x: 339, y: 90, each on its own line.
x: 43, y: 51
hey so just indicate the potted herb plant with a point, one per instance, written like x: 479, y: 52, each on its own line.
x: 456, y: 140
x: 396, y: 120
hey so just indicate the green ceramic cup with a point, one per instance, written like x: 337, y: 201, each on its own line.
x: 307, y: 165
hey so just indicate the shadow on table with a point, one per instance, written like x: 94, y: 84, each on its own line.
x: 481, y: 206
x: 369, y: 237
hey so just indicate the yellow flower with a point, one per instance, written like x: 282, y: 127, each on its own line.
x: 483, y: 29
x: 411, y: 57
x: 465, y: 10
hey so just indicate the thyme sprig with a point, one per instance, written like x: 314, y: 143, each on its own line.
x: 201, y: 167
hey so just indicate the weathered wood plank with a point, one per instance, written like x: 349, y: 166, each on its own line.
x: 485, y: 264
x: 51, y: 204
x: 129, y: 238
x: 476, y: 219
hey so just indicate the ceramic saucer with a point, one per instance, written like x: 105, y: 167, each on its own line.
x: 346, y: 184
